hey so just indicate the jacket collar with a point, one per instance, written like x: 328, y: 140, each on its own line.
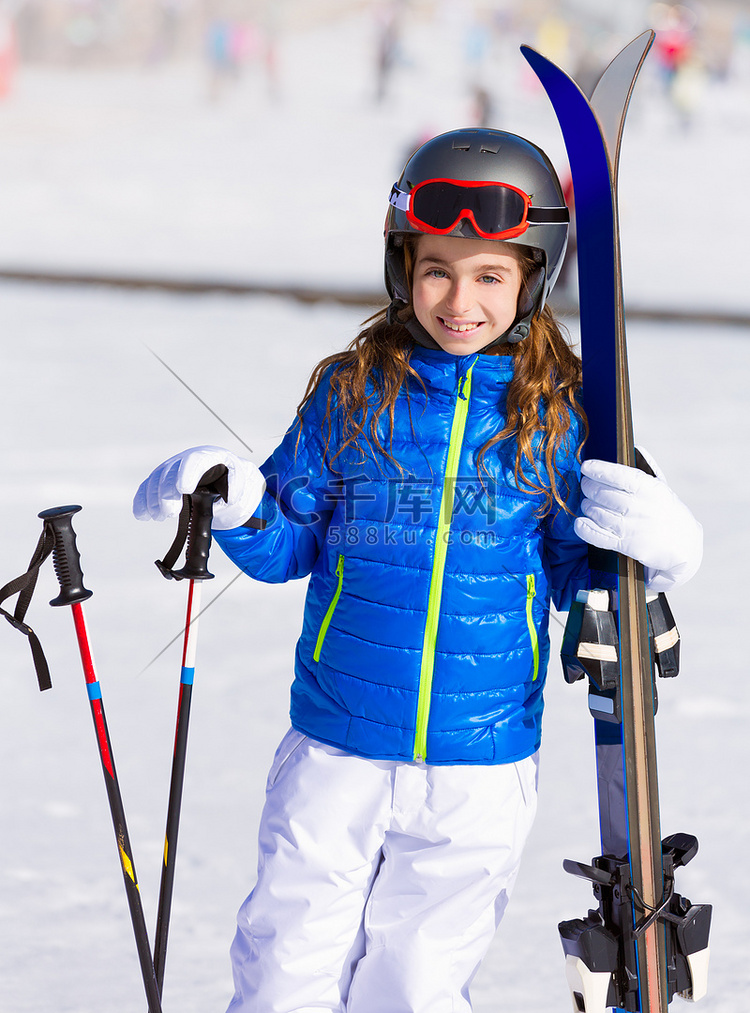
x: 443, y: 372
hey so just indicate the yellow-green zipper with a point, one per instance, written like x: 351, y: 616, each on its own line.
x: 530, y: 595
x: 331, y: 609
x: 442, y: 534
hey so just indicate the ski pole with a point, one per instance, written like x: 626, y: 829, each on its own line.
x: 67, y: 565
x: 195, y: 526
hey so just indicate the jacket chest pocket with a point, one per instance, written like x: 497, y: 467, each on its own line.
x: 331, y: 609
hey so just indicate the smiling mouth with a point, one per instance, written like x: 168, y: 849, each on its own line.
x: 460, y: 328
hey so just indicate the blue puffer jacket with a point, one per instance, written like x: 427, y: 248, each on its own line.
x: 425, y: 632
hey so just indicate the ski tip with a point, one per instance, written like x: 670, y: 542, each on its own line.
x: 649, y: 34
x: 547, y: 71
x: 533, y: 55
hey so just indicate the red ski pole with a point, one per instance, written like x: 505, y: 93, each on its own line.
x: 67, y: 564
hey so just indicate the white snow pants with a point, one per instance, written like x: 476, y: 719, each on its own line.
x: 380, y: 884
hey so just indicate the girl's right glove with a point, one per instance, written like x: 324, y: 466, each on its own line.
x: 160, y: 496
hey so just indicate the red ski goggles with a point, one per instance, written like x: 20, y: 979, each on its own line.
x: 496, y: 210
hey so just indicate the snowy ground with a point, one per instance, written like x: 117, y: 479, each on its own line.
x: 134, y: 174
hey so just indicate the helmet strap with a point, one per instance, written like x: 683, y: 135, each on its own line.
x: 413, y: 326
x: 529, y: 306
x: 399, y: 311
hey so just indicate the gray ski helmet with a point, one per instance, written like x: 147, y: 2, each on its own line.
x: 477, y: 155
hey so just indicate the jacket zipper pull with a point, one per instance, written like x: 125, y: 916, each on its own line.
x: 463, y: 377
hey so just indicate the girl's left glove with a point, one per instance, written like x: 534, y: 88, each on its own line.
x: 628, y: 511
x: 159, y: 497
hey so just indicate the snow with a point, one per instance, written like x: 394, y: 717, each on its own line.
x: 132, y: 172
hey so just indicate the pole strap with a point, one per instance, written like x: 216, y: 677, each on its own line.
x: 166, y: 565
x: 24, y: 587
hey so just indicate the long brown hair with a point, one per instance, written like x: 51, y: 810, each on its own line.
x: 541, y: 399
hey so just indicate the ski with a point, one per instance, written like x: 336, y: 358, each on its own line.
x: 644, y: 943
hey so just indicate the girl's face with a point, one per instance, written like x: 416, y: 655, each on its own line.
x: 465, y: 291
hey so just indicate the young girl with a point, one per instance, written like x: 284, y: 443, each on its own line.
x: 430, y: 486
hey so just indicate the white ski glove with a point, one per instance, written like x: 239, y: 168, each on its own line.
x: 160, y: 496
x: 628, y: 511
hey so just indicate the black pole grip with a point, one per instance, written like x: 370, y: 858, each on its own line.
x: 212, y: 486
x: 199, y: 537
x: 642, y: 464
x: 65, y: 555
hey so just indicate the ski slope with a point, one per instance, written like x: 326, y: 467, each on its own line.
x: 122, y: 172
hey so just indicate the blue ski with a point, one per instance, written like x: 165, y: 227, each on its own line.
x: 644, y: 943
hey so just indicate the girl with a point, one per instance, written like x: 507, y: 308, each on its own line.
x: 430, y: 486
